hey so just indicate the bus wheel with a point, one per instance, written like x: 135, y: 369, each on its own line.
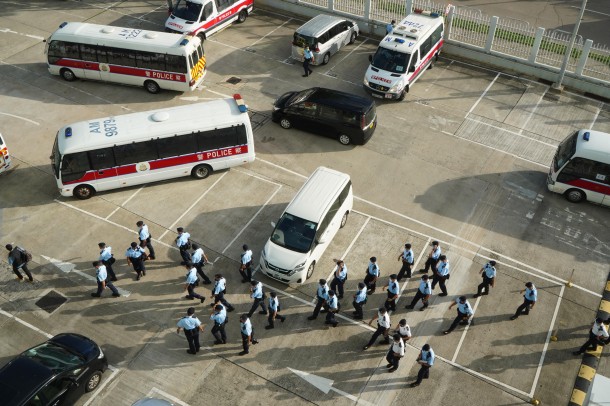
x: 344, y: 139
x: 152, y: 87
x: 68, y: 75
x: 344, y: 219
x: 242, y: 16
x: 310, y: 270
x: 83, y: 192
x: 201, y: 171
x: 575, y: 195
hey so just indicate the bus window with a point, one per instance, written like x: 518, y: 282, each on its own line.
x: 136, y: 152
x: 565, y: 151
x: 74, y: 166
x: 177, y: 145
x: 102, y: 158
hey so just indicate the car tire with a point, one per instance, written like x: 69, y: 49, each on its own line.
x: 93, y: 381
x: 152, y: 87
x: 575, y: 195
x: 201, y: 171
x: 310, y: 270
x: 344, y: 219
x: 242, y: 16
x: 326, y: 58
x: 403, y: 94
x: 352, y: 37
x: 67, y: 75
x: 285, y: 123
x: 344, y: 139
x: 201, y: 36
x: 83, y: 192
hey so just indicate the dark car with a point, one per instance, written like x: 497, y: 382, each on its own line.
x: 53, y: 373
x: 349, y: 118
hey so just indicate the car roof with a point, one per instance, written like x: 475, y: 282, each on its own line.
x: 78, y: 344
x: 319, y: 24
x: 343, y: 100
x: 20, y: 378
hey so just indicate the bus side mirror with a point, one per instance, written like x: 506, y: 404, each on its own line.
x: 370, y: 58
x: 411, y: 68
x: 322, y: 239
x: 272, y: 224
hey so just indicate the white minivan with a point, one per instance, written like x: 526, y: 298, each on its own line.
x: 307, y: 226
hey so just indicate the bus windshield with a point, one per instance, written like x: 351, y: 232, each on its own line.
x: 294, y: 233
x: 390, y: 60
x: 187, y: 10
x: 566, y: 150
x: 55, y: 159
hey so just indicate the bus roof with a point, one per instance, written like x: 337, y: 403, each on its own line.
x: 407, y: 34
x: 596, y: 148
x: 129, y: 38
x: 319, y: 191
x: 146, y: 125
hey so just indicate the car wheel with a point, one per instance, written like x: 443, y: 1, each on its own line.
x: 242, y: 16
x: 352, y: 37
x: 326, y: 58
x: 402, y: 95
x: 575, y: 195
x: 311, y: 269
x: 83, y: 192
x: 285, y: 123
x: 201, y: 171
x: 152, y: 87
x: 93, y: 381
x: 344, y: 219
x: 201, y: 37
x: 68, y: 75
x: 344, y: 139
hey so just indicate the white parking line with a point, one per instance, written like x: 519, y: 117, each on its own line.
x: 125, y: 202
x: 157, y: 391
x: 25, y: 323
x: 346, y: 56
x: 457, y: 349
x: 105, y: 382
x: 351, y: 244
x: 532, y: 111
x: 554, y: 146
x: 482, y: 95
x: 421, y: 254
x: 270, y: 32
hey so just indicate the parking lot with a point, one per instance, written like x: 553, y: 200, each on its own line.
x: 462, y: 160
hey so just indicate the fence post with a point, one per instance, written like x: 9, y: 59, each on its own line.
x: 583, y: 57
x: 493, y: 24
x: 408, y: 7
x: 367, y: 10
x: 449, y: 22
x: 331, y: 5
x: 536, y: 46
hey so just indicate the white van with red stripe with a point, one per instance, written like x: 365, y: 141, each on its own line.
x: 205, y: 17
x: 404, y: 54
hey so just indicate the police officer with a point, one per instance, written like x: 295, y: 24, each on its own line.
x: 340, y: 276
x: 245, y: 266
x: 135, y: 256
x: 407, y: 262
x: 191, y: 282
x: 101, y: 277
x: 191, y: 326
x: 389, y: 28
x: 441, y: 274
x: 145, y: 239
x: 333, y: 307
x: 322, y: 296
x: 404, y: 330
x: 383, y: 327
x: 183, y: 243
x: 433, y: 257
x: 17, y: 258
x: 393, y: 292
x: 256, y: 293
x: 372, y: 273
x: 464, y: 313
x: 489, y: 277
x: 598, y: 335
x: 396, y: 352
x: 425, y: 359
x: 274, y: 309
x: 219, y: 317
x: 199, y: 259
x: 359, y: 301
x: 423, y: 292
x: 218, y: 292
x: 307, y: 59
x: 529, y: 300
x: 247, y: 334
x: 107, y: 259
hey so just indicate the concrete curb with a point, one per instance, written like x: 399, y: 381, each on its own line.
x: 590, y: 360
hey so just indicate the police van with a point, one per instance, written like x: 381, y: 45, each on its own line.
x: 404, y: 54
x: 205, y: 17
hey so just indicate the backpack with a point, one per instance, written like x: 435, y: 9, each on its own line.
x: 25, y: 256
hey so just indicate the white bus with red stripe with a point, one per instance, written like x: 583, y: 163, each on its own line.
x: 581, y: 168
x: 205, y: 17
x: 154, y: 60
x: 5, y: 158
x: 132, y: 149
x: 404, y: 55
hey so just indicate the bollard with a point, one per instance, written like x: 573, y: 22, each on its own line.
x: 534, y: 401
x: 569, y: 283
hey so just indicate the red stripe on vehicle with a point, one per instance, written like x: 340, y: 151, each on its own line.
x: 123, y: 70
x: 225, y: 15
x: 590, y: 185
x: 425, y: 61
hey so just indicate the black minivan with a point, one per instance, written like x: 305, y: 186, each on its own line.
x: 347, y: 117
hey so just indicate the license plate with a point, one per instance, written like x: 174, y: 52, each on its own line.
x: 377, y: 95
x: 388, y: 96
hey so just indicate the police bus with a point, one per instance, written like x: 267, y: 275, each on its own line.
x: 132, y: 149
x: 5, y: 158
x: 155, y: 60
x: 581, y: 167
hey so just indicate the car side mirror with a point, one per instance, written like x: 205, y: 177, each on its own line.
x: 370, y: 58
x: 272, y: 224
x: 411, y: 68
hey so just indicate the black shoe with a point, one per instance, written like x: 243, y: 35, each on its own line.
x: 116, y: 295
x: 283, y: 319
x: 197, y: 350
x: 269, y: 327
x: 218, y: 342
x: 389, y: 365
x: 340, y: 296
x: 442, y: 294
x: 189, y: 297
x: 414, y: 384
x: 114, y: 279
x: 244, y: 352
x: 409, y: 307
x: 202, y: 299
x: 244, y: 281
x: 392, y: 369
x: 310, y: 71
x: 143, y: 273
x: 230, y: 309
x: 423, y: 271
x: 422, y: 308
x: 182, y: 263
x: 476, y: 295
x: 262, y: 312
x: 335, y: 323
x: 138, y: 277
x: 311, y: 318
x: 95, y: 295
x: 366, y: 347
x: 207, y: 282
x: 446, y: 332
x: 514, y: 317
x: 305, y: 76
x: 358, y: 317
x: 485, y: 293
x: 254, y: 342
x: 526, y: 313
x: 151, y: 257
x: 191, y: 352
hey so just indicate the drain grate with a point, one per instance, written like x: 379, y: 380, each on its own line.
x: 233, y: 80
x: 51, y: 301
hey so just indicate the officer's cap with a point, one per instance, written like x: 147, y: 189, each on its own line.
x: 407, y: 246
x: 190, y: 311
x: 599, y: 320
x: 331, y: 292
x: 425, y: 277
x: 180, y: 229
x: 195, y: 246
x: 245, y: 247
x: 426, y: 347
x: 393, y: 276
x: 9, y: 247
x: 361, y: 285
x: 382, y: 309
x: 396, y: 337
x: 373, y: 259
x: 101, y: 244
x: 434, y: 242
x: 442, y: 257
x: 243, y: 317
x: 322, y: 281
x: 529, y: 284
x: 218, y: 307
x: 402, y: 322
x: 253, y: 282
x: 462, y: 299
x: 492, y: 263
x: 134, y: 244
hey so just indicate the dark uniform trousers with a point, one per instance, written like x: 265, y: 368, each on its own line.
x: 192, y: 336
x: 405, y: 269
x: 191, y: 292
x: 218, y: 331
x: 246, y: 274
x: 337, y: 286
x: 484, y: 285
x: 370, y: 285
x: 23, y: 266
x: 109, y: 270
x: 330, y: 317
x: 592, y: 343
x: 419, y: 295
x: 271, y: 320
x: 147, y: 244
x: 524, y: 308
x: 186, y: 256
x: 358, y: 306
x: 430, y: 263
x: 199, y: 266
x: 321, y: 302
x: 390, y: 304
x: 460, y: 317
x: 392, y: 359
x: 380, y: 331
x: 100, y: 288
x: 220, y: 297
x: 258, y: 302
x: 441, y: 282
x: 138, y: 265
x: 424, y: 373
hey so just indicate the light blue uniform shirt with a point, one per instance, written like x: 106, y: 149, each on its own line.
x: 246, y: 327
x: 307, y: 54
x: 106, y: 254
x: 428, y: 356
x: 393, y: 287
x: 443, y: 268
x: 101, y: 274
x: 342, y: 273
x: 274, y: 303
x: 373, y: 269
x: 323, y: 291
x: 182, y: 239
x: 389, y: 28
x: 144, y: 234
x: 219, y: 286
x: 219, y: 317
x: 191, y: 276
x: 436, y: 253
x: 361, y: 296
x: 257, y: 292
x: 425, y: 287
x: 188, y: 322
x: 531, y: 294
x: 464, y: 308
x: 407, y: 255
x: 246, y: 257
x: 333, y: 302
x: 490, y: 271
x: 134, y: 253
x: 197, y: 256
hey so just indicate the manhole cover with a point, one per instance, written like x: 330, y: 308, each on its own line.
x: 51, y: 301
x: 233, y: 80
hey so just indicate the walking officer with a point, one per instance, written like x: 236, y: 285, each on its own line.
x: 393, y: 292
x: 407, y: 262
x: 441, y: 274
x: 529, y: 300
x: 307, y: 59
x: 256, y: 293
x: 340, y: 276
x: 322, y: 297
x: 247, y: 334
x: 107, y: 259
x: 101, y: 277
x: 18, y: 259
x: 404, y: 330
x: 372, y: 273
x: 433, y: 257
x: 396, y: 352
x: 426, y: 360
x: 183, y: 242
x: 359, y: 301
x: 423, y: 292
x: 135, y: 256
x: 245, y: 266
x: 489, y: 278
x: 218, y: 292
x: 191, y: 326
x: 464, y: 313
x: 383, y: 327
x: 219, y: 317
x: 333, y: 307
x: 199, y: 259
x: 191, y: 282
x: 145, y: 238
x: 598, y: 335
x: 274, y: 309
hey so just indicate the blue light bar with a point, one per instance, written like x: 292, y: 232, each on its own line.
x: 68, y: 132
x: 184, y: 42
x: 435, y: 15
x: 62, y: 25
x: 586, y: 135
x: 399, y: 40
x: 240, y: 103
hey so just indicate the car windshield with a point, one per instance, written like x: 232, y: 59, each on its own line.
x: 566, y: 150
x: 54, y: 357
x: 299, y: 97
x: 390, y: 60
x: 294, y: 233
x: 187, y: 10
